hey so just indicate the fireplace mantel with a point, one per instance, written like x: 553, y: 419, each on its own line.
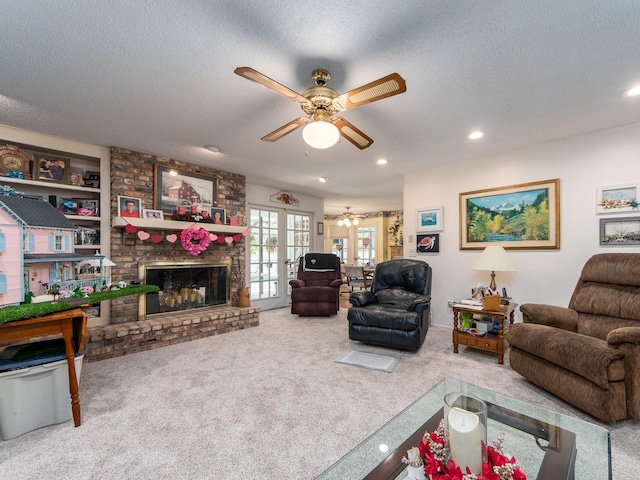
x: 154, y: 224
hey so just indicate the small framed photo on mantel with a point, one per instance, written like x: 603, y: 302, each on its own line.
x: 152, y: 214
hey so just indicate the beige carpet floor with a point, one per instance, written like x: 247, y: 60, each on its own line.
x: 269, y: 402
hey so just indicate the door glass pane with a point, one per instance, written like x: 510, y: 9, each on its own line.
x: 298, y: 241
x: 264, y: 254
x: 340, y: 247
x: 366, y: 247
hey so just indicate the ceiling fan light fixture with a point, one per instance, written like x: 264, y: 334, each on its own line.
x: 347, y: 219
x: 320, y: 134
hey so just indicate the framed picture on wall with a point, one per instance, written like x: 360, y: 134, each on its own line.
x: 430, y: 219
x: 620, y: 231
x: 173, y: 188
x: 428, y: 243
x: 524, y: 216
x: 618, y: 198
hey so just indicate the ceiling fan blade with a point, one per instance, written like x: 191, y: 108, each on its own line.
x: 384, y: 87
x: 255, y: 76
x: 287, y: 128
x: 351, y: 133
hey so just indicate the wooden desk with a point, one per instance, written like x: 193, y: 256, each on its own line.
x: 68, y: 323
x: 491, y: 342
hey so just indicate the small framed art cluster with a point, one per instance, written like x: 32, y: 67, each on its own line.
x: 83, y: 207
x: 619, y: 199
x: 429, y: 220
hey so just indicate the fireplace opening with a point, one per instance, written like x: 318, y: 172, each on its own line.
x: 184, y: 285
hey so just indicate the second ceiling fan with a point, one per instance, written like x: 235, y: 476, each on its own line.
x: 321, y: 105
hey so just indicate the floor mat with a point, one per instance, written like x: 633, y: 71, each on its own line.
x: 372, y: 361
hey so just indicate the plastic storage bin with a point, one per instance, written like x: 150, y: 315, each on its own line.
x: 35, y: 397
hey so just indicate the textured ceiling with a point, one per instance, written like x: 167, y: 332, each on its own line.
x: 157, y: 76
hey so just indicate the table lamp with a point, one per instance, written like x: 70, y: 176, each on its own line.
x: 494, y: 259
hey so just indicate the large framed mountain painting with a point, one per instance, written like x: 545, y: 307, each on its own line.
x: 524, y: 216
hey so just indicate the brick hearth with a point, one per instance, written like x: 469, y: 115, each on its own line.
x: 115, y: 340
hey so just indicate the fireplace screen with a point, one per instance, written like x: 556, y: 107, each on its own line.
x: 184, y: 286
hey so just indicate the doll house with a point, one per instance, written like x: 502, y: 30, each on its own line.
x: 37, y: 252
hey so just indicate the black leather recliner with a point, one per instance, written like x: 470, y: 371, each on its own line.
x: 395, y: 312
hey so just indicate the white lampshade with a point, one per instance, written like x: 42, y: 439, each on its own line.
x: 320, y: 134
x: 494, y: 259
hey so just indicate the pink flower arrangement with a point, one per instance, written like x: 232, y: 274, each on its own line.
x: 436, y: 466
x: 195, y: 239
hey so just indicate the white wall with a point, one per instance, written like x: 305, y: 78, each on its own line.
x: 584, y: 163
x: 259, y: 195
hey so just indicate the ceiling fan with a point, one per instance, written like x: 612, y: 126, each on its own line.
x: 321, y: 104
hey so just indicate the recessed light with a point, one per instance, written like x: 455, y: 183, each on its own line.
x: 476, y: 135
x: 382, y: 161
x: 211, y: 148
x: 323, y: 179
x: 633, y: 92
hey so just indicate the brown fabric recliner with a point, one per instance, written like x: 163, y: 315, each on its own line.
x: 316, y: 290
x: 587, y: 354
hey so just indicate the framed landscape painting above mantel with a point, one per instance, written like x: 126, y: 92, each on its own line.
x: 523, y: 216
x: 174, y: 188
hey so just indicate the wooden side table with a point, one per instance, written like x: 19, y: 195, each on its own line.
x: 68, y: 324
x: 492, y: 341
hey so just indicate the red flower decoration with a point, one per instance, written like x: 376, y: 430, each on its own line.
x: 497, y: 467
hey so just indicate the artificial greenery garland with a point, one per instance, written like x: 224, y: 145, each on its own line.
x: 32, y: 310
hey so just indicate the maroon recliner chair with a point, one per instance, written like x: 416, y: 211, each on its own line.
x: 316, y: 290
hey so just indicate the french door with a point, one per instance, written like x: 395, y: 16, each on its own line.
x: 278, y: 239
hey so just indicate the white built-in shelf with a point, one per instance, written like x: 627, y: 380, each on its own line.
x: 54, y: 185
x: 86, y: 247
x: 154, y: 224
x: 83, y: 218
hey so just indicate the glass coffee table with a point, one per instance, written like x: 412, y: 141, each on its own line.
x: 546, y: 444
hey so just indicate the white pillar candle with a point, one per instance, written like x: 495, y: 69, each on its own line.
x: 465, y: 439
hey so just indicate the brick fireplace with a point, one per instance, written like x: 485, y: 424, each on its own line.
x: 183, y: 286
x: 132, y: 175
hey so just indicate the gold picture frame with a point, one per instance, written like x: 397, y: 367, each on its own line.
x: 175, y: 189
x: 51, y: 169
x: 523, y: 216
